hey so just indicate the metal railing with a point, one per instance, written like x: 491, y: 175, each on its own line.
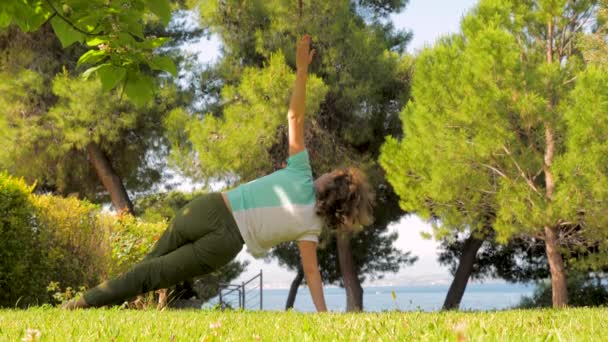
x: 244, y: 295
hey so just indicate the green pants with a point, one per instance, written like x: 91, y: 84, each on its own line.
x: 202, y: 237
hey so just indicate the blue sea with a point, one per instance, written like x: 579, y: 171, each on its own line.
x: 487, y: 296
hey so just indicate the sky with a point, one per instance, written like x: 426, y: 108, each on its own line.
x: 428, y: 20
x: 431, y: 19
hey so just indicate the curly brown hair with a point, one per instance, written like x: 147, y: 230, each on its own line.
x: 346, y: 200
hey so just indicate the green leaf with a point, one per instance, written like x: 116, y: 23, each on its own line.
x: 28, y: 17
x: 164, y: 63
x: 134, y: 25
x: 92, y: 57
x: 110, y: 76
x: 162, y: 8
x: 5, y: 19
x: 95, y: 41
x: 139, y: 88
x: 93, y: 23
x: 153, y: 43
x: 66, y: 34
x: 87, y: 73
x: 426, y: 235
x: 125, y: 39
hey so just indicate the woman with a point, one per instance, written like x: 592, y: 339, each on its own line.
x: 283, y: 206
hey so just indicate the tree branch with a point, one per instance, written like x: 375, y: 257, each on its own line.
x: 521, y: 172
x: 69, y: 22
x: 570, y: 80
x: 495, y: 170
x: 585, y: 18
x: 49, y: 18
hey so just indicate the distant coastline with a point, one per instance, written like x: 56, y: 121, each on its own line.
x: 493, y: 283
x: 488, y: 295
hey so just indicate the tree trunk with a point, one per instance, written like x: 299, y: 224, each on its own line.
x: 559, y: 290
x: 293, y: 289
x: 556, y: 263
x: 354, y: 292
x: 110, y: 180
x: 463, y: 273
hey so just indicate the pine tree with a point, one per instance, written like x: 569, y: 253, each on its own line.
x: 489, y: 130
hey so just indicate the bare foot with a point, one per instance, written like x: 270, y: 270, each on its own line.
x: 162, y: 299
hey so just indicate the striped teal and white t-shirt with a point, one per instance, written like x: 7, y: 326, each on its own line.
x: 278, y: 207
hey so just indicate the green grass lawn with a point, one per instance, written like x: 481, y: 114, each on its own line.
x: 196, y: 325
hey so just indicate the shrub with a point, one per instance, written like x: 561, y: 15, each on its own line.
x: 49, y: 243
x: 129, y: 239
x: 582, y: 291
x: 162, y: 206
x: 50, y: 246
x: 17, y: 242
x: 72, y: 244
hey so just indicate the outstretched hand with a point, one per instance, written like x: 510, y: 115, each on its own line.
x: 304, y: 55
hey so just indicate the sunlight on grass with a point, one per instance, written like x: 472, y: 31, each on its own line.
x: 50, y: 324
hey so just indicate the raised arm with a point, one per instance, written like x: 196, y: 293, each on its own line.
x: 297, y: 105
x: 308, y: 254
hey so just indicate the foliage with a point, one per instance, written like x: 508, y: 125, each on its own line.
x: 162, y: 206
x: 360, y: 64
x: 71, y: 244
x: 83, y: 113
x: 383, y: 7
x: 17, y: 241
x: 62, y: 296
x: 48, y: 118
x: 130, y: 240
x: 520, y: 260
x: 492, y: 122
x: 114, y: 30
x: 47, y: 240
x: 580, y: 324
x: 242, y: 139
x: 582, y: 291
x: 583, y: 171
x: 595, y: 46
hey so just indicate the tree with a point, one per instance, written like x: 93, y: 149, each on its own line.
x: 116, y: 29
x: 487, y: 131
x: 362, y: 82
x: 69, y: 134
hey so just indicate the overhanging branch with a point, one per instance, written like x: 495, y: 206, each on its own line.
x: 56, y: 13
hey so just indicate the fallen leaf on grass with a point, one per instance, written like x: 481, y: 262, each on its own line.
x: 31, y: 335
x: 460, y: 329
